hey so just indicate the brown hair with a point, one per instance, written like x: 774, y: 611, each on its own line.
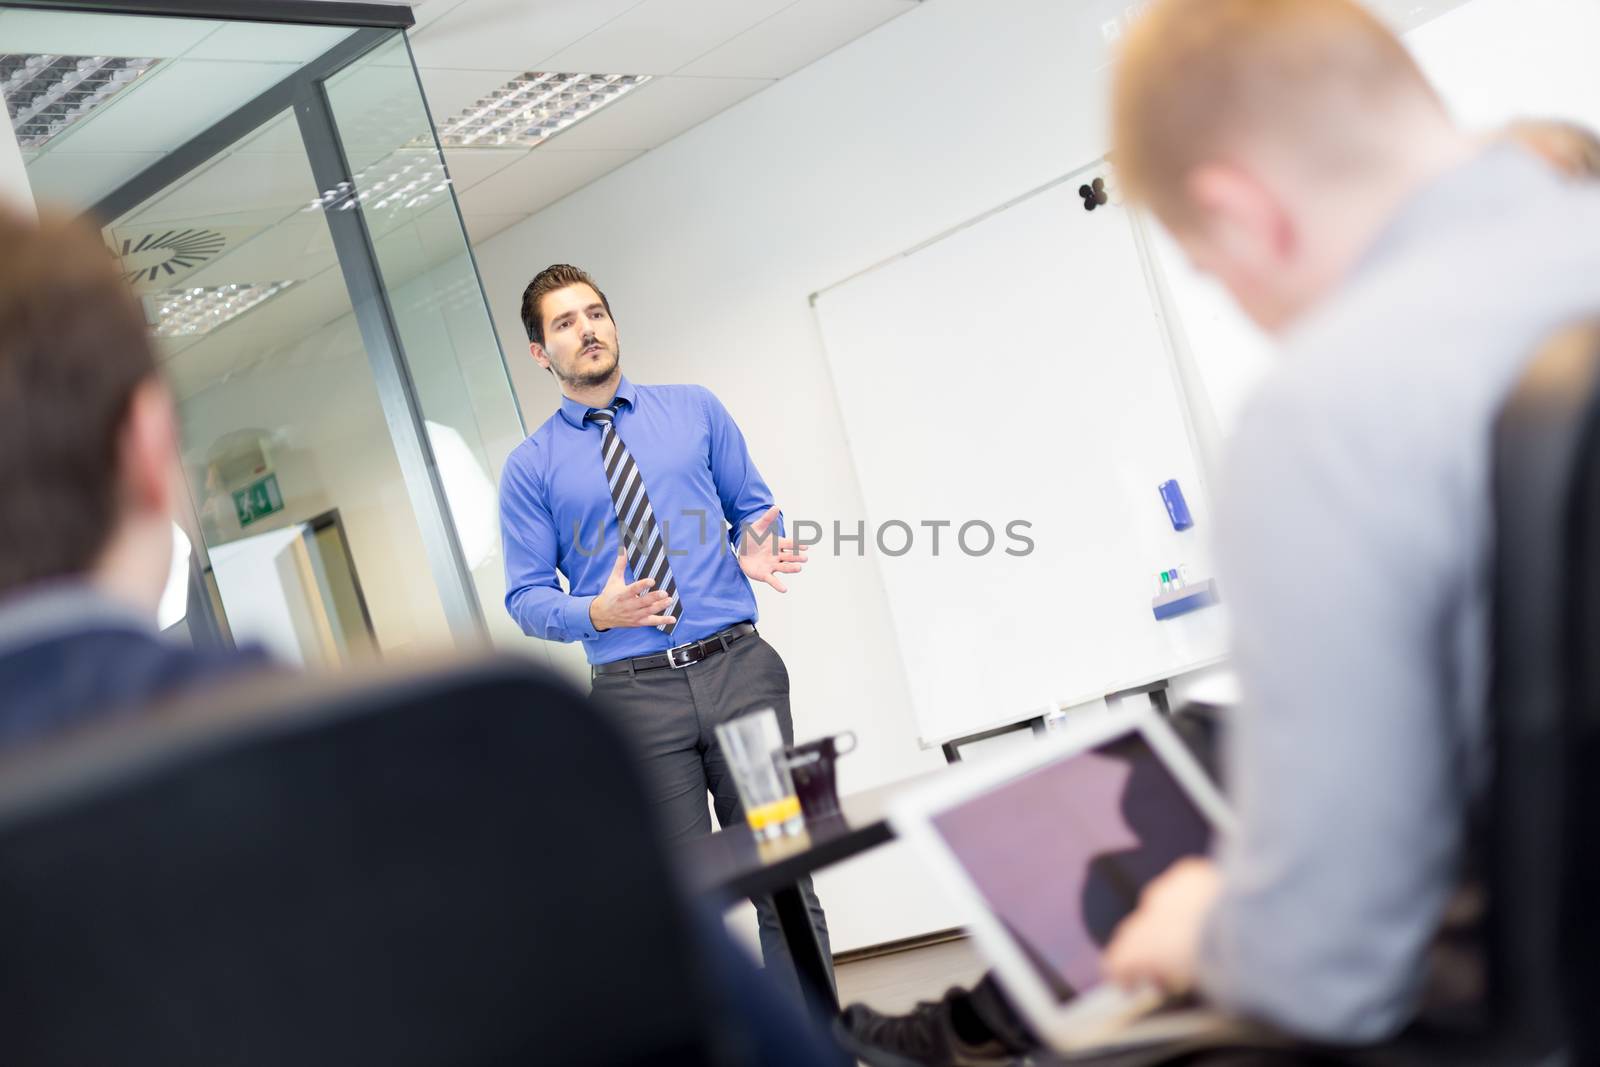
x: 1196, y: 78
x: 1574, y: 150
x: 74, y: 348
x: 556, y: 276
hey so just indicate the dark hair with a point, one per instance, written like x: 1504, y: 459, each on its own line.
x: 74, y: 348
x: 556, y: 276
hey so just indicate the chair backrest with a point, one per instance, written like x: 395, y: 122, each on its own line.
x: 1541, y: 811
x: 1580, y: 889
x: 450, y: 866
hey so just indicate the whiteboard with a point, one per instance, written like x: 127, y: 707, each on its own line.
x: 1017, y: 368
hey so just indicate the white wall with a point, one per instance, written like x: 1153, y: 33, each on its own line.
x: 1496, y: 60
x: 267, y: 602
x: 709, y: 246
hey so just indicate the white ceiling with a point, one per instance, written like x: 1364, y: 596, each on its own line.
x: 210, y: 68
x: 705, y: 56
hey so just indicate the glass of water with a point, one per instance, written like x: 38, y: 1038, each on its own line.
x: 753, y: 746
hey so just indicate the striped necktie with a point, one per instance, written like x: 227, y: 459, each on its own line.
x: 647, y: 551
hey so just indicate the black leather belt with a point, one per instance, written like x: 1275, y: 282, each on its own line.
x: 678, y: 655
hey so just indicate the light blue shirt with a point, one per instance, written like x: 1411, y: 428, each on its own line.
x: 557, y: 516
x: 1354, y: 538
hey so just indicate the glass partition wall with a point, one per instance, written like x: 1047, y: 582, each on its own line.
x: 278, y: 199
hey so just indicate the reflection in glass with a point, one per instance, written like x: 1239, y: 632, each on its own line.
x: 444, y: 328
x: 294, y: 591
x: 236, y: 263
x: 281, y: 419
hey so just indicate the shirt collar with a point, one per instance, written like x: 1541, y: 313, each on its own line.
x: 51, y: 609
x: 575, y: 413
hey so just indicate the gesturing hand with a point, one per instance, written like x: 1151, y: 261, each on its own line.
x: 762, y: 558
x: 623, y: 604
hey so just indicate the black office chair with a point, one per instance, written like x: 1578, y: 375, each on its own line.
x: 1543, y: 821
x: 446, y: 867
x: 1539, y: 821
x: 1580, y: 887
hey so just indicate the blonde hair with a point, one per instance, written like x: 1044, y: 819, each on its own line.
x: 1198, y: 78
x: 1572, y: 149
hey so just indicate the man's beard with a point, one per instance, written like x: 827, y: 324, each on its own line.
x: 589, y: 378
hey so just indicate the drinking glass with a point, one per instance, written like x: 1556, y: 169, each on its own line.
x: 753, y: 746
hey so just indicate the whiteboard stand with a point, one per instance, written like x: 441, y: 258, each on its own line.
x: 1157, y: 692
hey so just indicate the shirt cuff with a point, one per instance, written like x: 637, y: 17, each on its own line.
x: 774, y: 532
x: 579, y: 626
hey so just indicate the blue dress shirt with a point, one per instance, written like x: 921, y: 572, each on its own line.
x: 556, y: 514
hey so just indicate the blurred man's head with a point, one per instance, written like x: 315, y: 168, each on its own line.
x: 1571, y: 149
x: 88, y: 439
x: 1274, y: 138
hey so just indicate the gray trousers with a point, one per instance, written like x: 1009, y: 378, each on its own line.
x: 672, y: 717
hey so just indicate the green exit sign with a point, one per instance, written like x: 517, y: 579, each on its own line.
x: 257, y: 500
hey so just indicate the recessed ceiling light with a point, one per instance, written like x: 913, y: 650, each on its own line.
x: 534, y: 107
x: 46, y: 94
x: 201, y: 309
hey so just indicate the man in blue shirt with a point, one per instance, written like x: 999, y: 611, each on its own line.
x: 646, y: 499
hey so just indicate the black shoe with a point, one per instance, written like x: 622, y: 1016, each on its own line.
x: 924, y: 1038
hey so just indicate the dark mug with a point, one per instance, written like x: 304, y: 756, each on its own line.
x: 811, y: 767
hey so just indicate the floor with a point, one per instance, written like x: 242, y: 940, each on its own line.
x: 895, y: 982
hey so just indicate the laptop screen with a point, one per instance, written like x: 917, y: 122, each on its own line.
x: 1062, y: 853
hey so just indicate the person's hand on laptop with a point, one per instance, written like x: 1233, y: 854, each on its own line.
x: 1160, y: 941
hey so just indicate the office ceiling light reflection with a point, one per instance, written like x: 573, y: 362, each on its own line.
x: 47, y: 94
x: 534, y: 107
x: 401, y: 180
x: 186, y: 312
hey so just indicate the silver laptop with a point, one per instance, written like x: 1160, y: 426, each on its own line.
x: 1048, y: 851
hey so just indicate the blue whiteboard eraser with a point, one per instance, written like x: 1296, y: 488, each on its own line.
x: 1185, y: 599
x: 1177, y: 507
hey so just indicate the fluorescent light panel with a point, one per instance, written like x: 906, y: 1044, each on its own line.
x: 47, y: 94
x: 534, y: 107
x: 201, y: 309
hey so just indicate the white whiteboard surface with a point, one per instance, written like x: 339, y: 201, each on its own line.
x: 1016, y: 368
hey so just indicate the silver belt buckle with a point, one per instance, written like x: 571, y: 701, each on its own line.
x: 672, y: 655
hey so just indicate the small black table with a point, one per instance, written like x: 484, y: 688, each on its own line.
x: 727, y: 865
